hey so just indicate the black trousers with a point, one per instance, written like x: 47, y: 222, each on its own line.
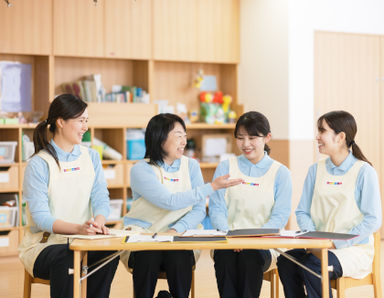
x: 177, y: 265
x: 240, y: 274
x: 293, y: 277
x: 55, y: 260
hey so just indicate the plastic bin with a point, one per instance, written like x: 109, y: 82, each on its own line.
x: 135, y: 144
x: 7, y: 152
x: 116, y: 206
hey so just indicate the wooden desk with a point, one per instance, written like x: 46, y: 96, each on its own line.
x: 81, y: 248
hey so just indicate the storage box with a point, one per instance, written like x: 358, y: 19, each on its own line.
x: 7, y: 152
x: 116, y: 206
x: 114, y: 174
x: 9, y: 178
x: 135, y: 149
x: 8, y: 216
x: 9, y: 243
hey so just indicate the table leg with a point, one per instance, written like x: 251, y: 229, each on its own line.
x: 84, y: 272
x: 324, y: 273
x: 76, y: 274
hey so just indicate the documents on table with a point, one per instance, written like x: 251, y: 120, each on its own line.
x: 113, y: 233
x: 316, y: 235
x: 148, y: 238
x: 189, y: 233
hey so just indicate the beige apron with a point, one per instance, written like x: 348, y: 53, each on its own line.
x: 160, y: 218
x: 334, y: 209
x: 69, y: 192
x: 250, y: 204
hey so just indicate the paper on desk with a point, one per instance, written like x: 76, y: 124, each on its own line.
x: 291, y: 233
x: 113, y: 233
x: 149, y: 238
x: 189, y: 233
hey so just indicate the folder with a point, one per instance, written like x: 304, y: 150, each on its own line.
x: 253, y: 232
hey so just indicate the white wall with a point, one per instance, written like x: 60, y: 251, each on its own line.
x: 263, y: 70
x: 305, y: 17
x: 276, y: 40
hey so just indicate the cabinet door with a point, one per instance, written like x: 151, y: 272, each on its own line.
x: 128, y: 29
x: 175, y: 31
x: 26, y: 27
x: 78, y: 28
x: 218, y: 30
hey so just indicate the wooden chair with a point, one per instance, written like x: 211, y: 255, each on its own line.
x: 163, y: 275
x: 29, y: 280
x: 343, y: 283
x: 273, y: 277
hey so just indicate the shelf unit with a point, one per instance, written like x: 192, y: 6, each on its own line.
x: 128, y: 43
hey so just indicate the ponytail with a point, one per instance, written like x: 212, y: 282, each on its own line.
x: 358, y: 153
x: 40, y: 139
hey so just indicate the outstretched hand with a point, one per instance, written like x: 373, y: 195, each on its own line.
x: 224, y: 182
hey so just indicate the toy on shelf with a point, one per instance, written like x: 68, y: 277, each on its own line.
x: 215, y: 108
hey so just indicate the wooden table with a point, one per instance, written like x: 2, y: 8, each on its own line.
x: 81, y: 248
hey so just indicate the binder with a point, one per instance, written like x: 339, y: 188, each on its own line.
x: 253, y: 232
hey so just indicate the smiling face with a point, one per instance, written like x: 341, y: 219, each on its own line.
x: 251, y: 146
x: 70, y: 132
x: 328, y: 141
x: 175, y: 143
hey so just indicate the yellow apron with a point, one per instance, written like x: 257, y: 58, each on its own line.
x: 334, y: 209
x: 69, y: 192
x: 250, y: 204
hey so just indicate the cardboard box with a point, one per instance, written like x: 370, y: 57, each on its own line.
x: 9, y: 177
x: 114, y: 174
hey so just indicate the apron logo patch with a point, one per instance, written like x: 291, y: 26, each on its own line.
x: 71, y: 170
x: 250, y: 183
x: 334, y: 183
x: 171, y: 179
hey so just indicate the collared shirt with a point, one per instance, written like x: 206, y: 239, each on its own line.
x: 36, y: 180
x: 145, y: 184
x: 367, y: 196
x: 282, y: 192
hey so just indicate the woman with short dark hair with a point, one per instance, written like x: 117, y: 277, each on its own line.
x: 169, y: 195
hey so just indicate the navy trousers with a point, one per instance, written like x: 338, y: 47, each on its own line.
x: 240, y: 274
x: 177, y: 265
x: 54, y: 261
x: 294, y: 278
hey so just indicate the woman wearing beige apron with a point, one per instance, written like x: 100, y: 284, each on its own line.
x: 66, y: 193
x: 169, y: 195
x: 263, y: 200
x: 341, y: 194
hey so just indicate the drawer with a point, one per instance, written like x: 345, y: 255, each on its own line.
x: 9, y: 178
x: 114, y: 174
x: 9, y: 243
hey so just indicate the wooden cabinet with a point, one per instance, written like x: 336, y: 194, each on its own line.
x: 156, y: 45
x: 128, y: 29
x: 218, y: 31
x: 199, y: 30
x: 26, y: 27
x: 78, y: 28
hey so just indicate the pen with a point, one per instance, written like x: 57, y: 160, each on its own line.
x: 154, y: 235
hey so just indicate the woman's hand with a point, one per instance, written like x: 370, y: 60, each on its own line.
x: 172, y: 231
x: 224, y: 182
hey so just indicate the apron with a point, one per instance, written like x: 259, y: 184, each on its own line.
x: 69, y: 192
x: 159, y: 218
x: 334, y: 209
x: 250, y: 204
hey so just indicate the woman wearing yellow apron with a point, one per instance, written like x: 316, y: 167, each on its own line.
x: 169, y: 195
x: 341, y: 194
x: 66, y: 194
x: 263, y: 200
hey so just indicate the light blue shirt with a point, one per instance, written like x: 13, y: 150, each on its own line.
x: 36, y: 180
x: 281, y: 210
x: 145, y: 184
x: 367, y: 196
